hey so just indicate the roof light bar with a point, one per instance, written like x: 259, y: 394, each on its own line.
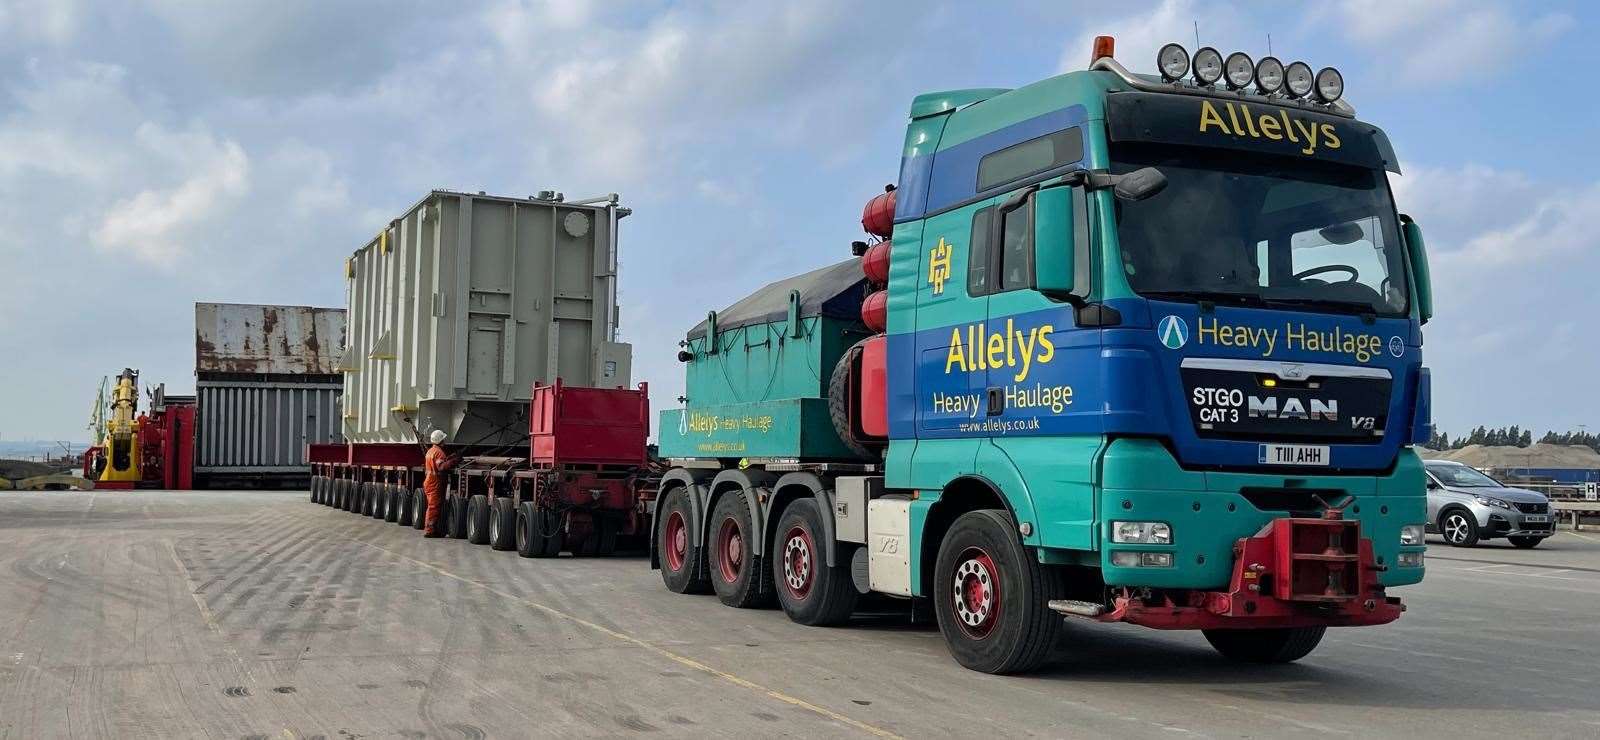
x: 1238, y: 70
x: 1330, y: 85
x: 1269, y: 75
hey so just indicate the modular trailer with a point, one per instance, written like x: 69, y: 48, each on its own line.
x: 1146, y: 350
x: 493, y: 319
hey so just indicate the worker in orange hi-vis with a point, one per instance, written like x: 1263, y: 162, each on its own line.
x: 435, y: 464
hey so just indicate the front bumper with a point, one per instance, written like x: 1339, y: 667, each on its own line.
x: 1210, y: 512
x: 1295, y: 572
x: 1494, y: 521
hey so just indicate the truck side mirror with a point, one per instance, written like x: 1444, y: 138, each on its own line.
x: 1417, y: 251
x: 1139, y: 184
x: 1053, y: 250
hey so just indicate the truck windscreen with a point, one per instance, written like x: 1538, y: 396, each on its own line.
x: 1263, y: 230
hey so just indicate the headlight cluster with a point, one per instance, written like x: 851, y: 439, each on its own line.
x: 1269, y: 75
x: 1489, y: 501
x: 1141, y: 533
x: 1413, y: 534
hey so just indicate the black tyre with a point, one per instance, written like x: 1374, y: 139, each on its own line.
x: 1459, y: 527
x: 1282, y: 645
x: 839, y: 401
x: 316, y: 483
x: 455, y: 522
x: 380, y: 500
x: 608, y: 537
x: 809, y: 591
x: 992, y: 596
x: 369, y: 504
x: 324, y: 487
x: 682, y: 563
x: 1526, y: 542
x: 478, y: 520
x: 529, y: 540
x: 407, y: 509
x: 739, y: 577
x: 337, y: 499
x: 391, y: 512
x: 502, y: 525
x: 352, y: 502
x: 419, y: 509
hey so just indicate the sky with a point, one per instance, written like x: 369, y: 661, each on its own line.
x: 156, y: 153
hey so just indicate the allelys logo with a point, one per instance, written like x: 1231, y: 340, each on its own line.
x: 1173, y: 331
x: 939, y: 266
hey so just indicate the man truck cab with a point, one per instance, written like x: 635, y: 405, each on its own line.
x: 1151, y: 353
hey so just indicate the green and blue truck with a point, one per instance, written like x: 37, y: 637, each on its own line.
x: 1121, y: 347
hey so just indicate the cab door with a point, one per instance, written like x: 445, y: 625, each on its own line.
x: 1040, y: 378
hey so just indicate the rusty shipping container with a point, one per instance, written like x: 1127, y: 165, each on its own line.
x: 268, y: 384
x: 460, y: 305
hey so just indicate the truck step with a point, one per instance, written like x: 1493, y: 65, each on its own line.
x: 1073, y: 608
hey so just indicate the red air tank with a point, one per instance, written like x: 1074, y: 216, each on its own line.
x: 875, y: 263
x: 878, y: 217
x: 875, y: 310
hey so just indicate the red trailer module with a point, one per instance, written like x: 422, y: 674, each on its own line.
x: 583, y: 484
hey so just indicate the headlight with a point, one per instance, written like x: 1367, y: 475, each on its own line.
x: 1412, y: 534
x: 1269, y: 75
x: 1330, y: 85
x: 1486, y: 501
x: 1238, y: 70
x: 1141, y: 533
x: 1207, y: 66
x: 1173, y: 61
x: 1298, y: 78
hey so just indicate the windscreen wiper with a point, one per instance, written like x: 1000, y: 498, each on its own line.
x: 1223, y: 297
x: 1363, y: 309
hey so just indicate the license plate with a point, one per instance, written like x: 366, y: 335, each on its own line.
x: 1275, y: 454
x: 1535, y: 518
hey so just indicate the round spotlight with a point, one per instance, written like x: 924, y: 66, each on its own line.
x: 1330, y: 85
x: 1207, y: 66
x: 1173, y: 61
x: 1298, y: 78
x: 1269, y: 75
x: 1238, y: 70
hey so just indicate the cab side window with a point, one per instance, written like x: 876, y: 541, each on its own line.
x: 1009, y: 269
x: 978, y: 254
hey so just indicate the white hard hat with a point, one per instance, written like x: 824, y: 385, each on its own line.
x: 437, y: 436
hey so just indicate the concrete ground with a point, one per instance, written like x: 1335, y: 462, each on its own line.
x: 263, y: 615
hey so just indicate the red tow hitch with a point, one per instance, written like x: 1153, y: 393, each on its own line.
x: 1293, y: 573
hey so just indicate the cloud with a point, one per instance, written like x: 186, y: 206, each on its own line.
x: 1440, y: 42
x: 152, y: 224
x: 1139, y: 36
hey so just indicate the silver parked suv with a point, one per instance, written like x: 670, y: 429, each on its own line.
x: 1465, y: 506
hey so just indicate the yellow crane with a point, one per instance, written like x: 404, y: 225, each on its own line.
x: 121, y: 443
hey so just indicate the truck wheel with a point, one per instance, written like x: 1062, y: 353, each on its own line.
x: 1282, y: 645
x: 992, y: 596
x: 1524, y: 542
x: 337, y: 499
x: 1459, y: 527
x: 380, y: 501
x: 419, y: 509
x: 478, y: 520
x: 737, y: 573
x: 681, y: 562
x: 839, y: 401
x: 809, y: 591
x: 502, y: 525
x: 369, y: 503
x: 316, y: 482
x: 347, y: 491
x: 406, y: 508
x: 396, y: 504
x: 608, y: 537
x: 456, y: 520
x: 529, y: 542
x: 358, y: 497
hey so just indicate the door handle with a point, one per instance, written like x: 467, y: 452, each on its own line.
x: 997, y: 401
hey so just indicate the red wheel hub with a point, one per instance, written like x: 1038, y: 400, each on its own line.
x: 799, y: 569
x: 730, y: 545
x: 677, y: 544
x: 976, y: 592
